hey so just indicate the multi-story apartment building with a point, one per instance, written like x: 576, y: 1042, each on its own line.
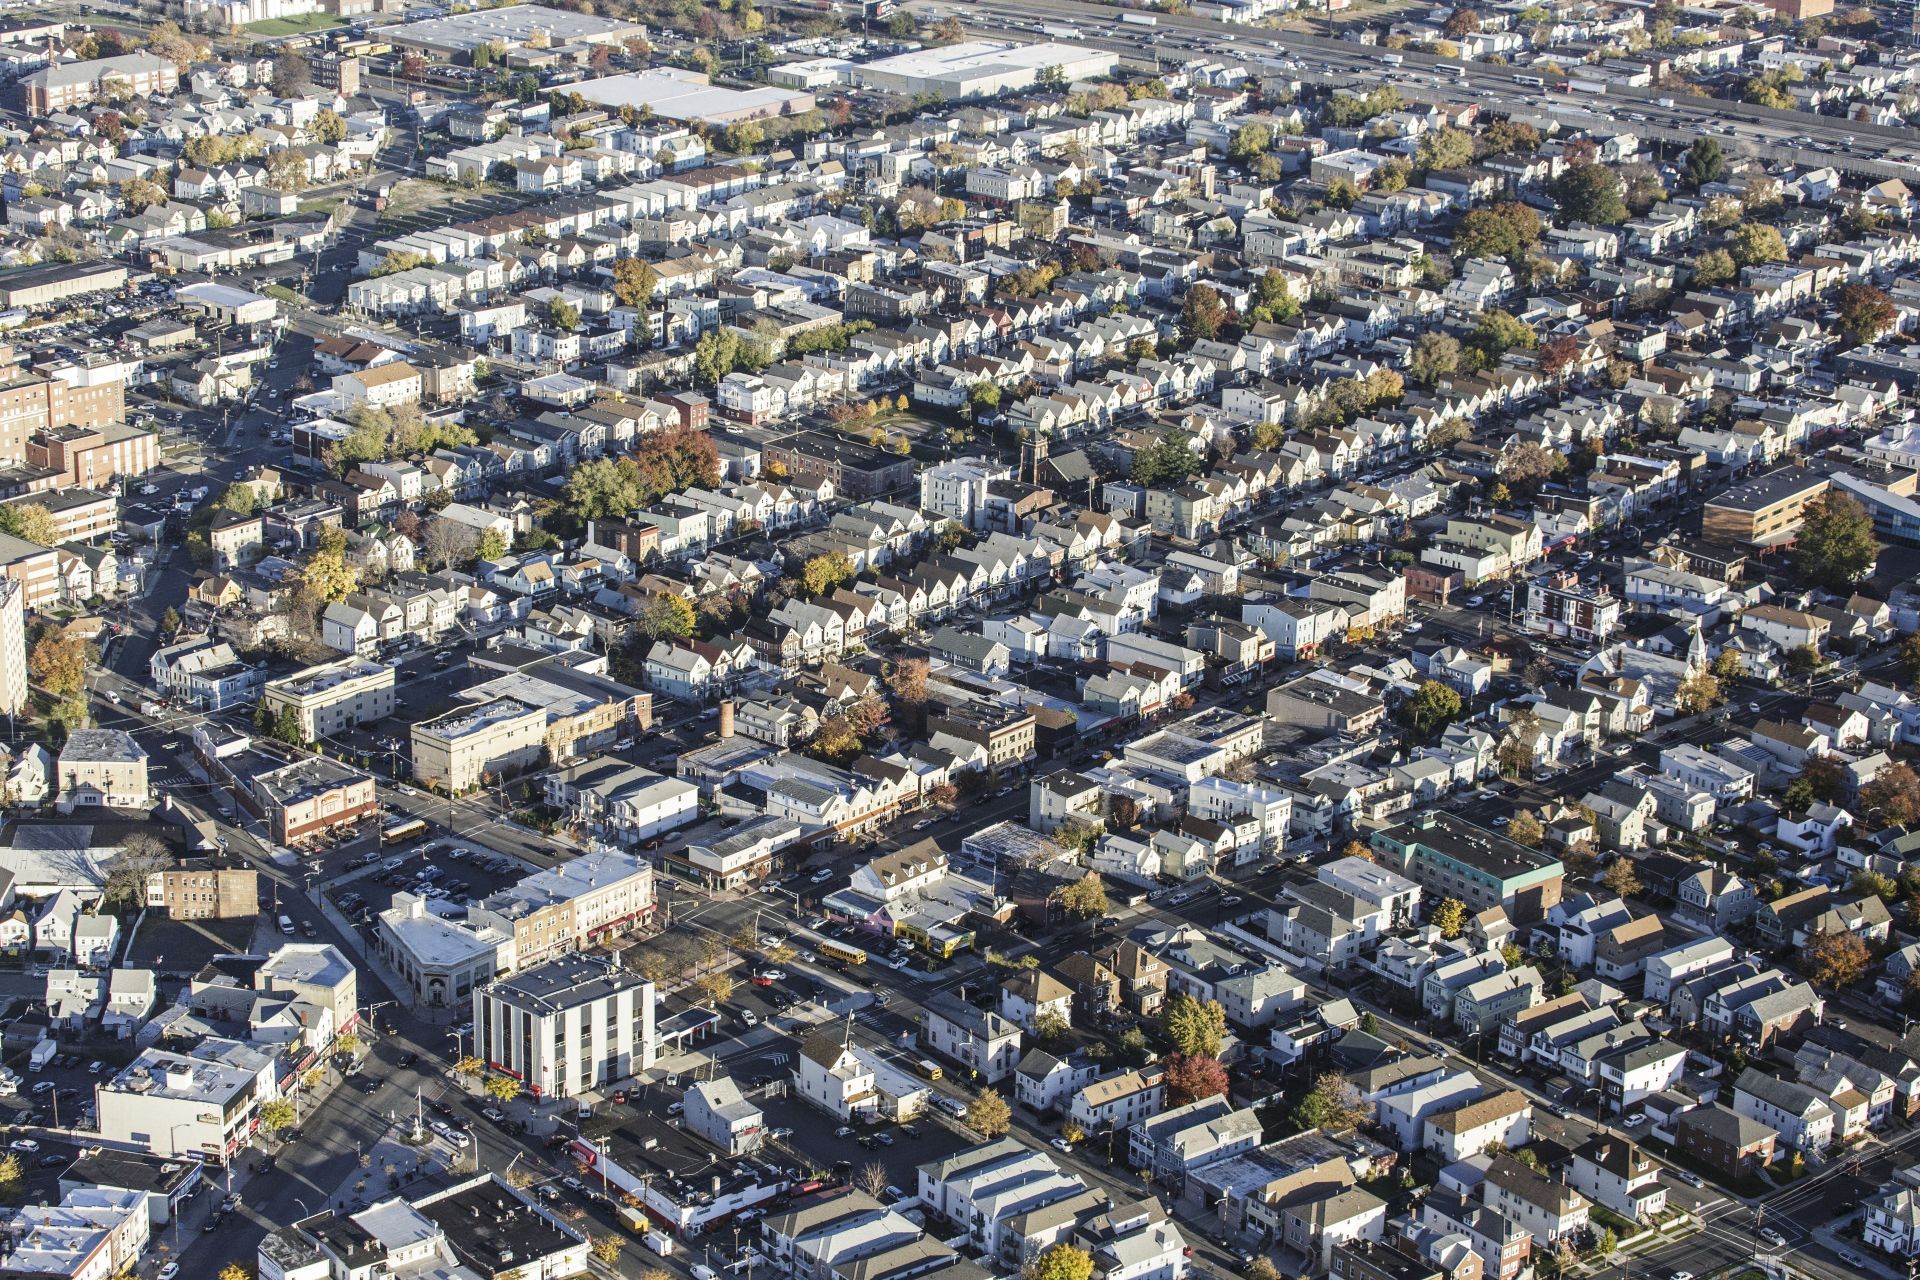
x: 561, y: 910
x: 1453, y: 858
x: 567, y: 1027
x: 464, y: 748
x: 334, y: 696
x: 102, y: 767
x: 312, y: 796
x: 170, y: 1105
x: 89, y: 454
x: 13, y: 647
x: 1763, y: 510
x: 1561, y: 606
x: 205, y: 889
x: 1119, y: 1101
x: 74, y: 84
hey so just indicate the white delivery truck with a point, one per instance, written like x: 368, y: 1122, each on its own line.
x: 43, y: 1053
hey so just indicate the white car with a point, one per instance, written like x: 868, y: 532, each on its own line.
x: 168, y: 1272
x: 1060, y: 1144
x: 24, y: 1144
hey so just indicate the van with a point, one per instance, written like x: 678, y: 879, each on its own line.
x: 929, y: 1068
x: 660, y: 1242
x: 584, y: 1110
x: 286, y: 925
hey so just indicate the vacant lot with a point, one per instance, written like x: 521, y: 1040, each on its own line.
x: 294, y: 26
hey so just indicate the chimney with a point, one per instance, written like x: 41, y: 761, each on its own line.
x: 726, y: 717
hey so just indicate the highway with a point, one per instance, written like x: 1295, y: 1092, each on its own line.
x: 1863, y: 150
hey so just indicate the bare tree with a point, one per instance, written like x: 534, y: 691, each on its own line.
x: 447, y: 543
x: 872, y: 1179
x: 140, y: 856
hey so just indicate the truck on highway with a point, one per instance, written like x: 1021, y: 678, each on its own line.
x: 1392, y: 59
x: 1140, y: 19
x: 1587, y: 86
x: 1057, y: 29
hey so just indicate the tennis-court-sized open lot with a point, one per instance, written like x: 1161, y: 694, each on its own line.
x: 678, y: 94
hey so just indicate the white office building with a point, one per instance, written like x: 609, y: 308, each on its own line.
x: 568, y: 1027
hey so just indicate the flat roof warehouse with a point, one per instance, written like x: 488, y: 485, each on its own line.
x: 513, y: 26
x: 677, y: 94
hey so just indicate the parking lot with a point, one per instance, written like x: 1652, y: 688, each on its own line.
x: 453, y: 874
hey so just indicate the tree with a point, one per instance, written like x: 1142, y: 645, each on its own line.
x: 1169, y: 461
x: 1435, y: 356
x: 1836, y: 546
x: 826, y: 571
x: 1190, y: 1079
x: 1449, y: 916
x: 277, y: 1115
x: 1197, y: 1028
x: 1250, y: 140
x: 1893, y: 797
x: 1499, y: 332
x: 1432, y: 708
x: 1865, y: 312
x: 1524, y: 828
x: 1085, y: 898
x: 664, y: 615
x: 470, y: 1066
x: 634, y: 281
x: 989, y: 1114
x: 1444, y: 149
x: 717, y: 987
x: 907, y: 681
x: 501, y: 1087
x: 564, y: 315
x: 235, y: 1271
x: 1715, y: 266
x: 1461, y: 22
x: 1756, y: 243
x: 12, y: 1176
x: 328, y: 126
x: 170, y: 623
x: 58, y: 662
x: 1835, y: 959
x: 1051, y: 1028
x: 1333, y: 1103
x: 1060, y: 1262
x: 290, y: 74
x: 1621, y: 877
x: 1590, y: 193
x: 1705, y: 162
x: 1509, y: 231
x: 287, y: 173
x: 873, y: 1179
x: 137, y: 195
x: 30, y: 521
x: 607, y: 1249
x: 1516, y: 752
x: 1529, y: 463
x: 1261, y: 1268
x: 1908, y: 656
x: 1697, y: 694
x: 1203, y: 314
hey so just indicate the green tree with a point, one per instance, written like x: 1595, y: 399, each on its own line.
x: 1590, y: 193
x: 137, y: 195
x: 1432, y: 708
x: 1705, y: 162
x: 604, y: 487
x: 1250, y: 140
x: 501, y: 1087
x: 1621, y: 877
x: 1715, y: 266
x: 824, y: 572
x: 1444, y: 149
x: 1697, y: 694
x: 1499, y: 332
x: 328, y: 126
x: 989, y: 1114
x: 1168, y: 462
x: 170, y: 623
x: 1085, y: 898
x: 563, y: 315
x: 1060, y: 1262
x: 493, y: 545
x: 1449, y: 916
x: 286, y: 727
x: 1197, y: 1028
x: 276, y: 1115
x: 1755, y: 243
x: 1836, y: 546
x: 1509, y: 231
x: 1524, y: 828
x: 13, y: 1177
x: 634, y: 281
x: 1051, y: 1028
x: 1334, y: 1103
x: 664, y: 615
x: 1435, y: 356
x: 30, y: 521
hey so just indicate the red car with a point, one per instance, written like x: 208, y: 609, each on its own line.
x: 761, y: 980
